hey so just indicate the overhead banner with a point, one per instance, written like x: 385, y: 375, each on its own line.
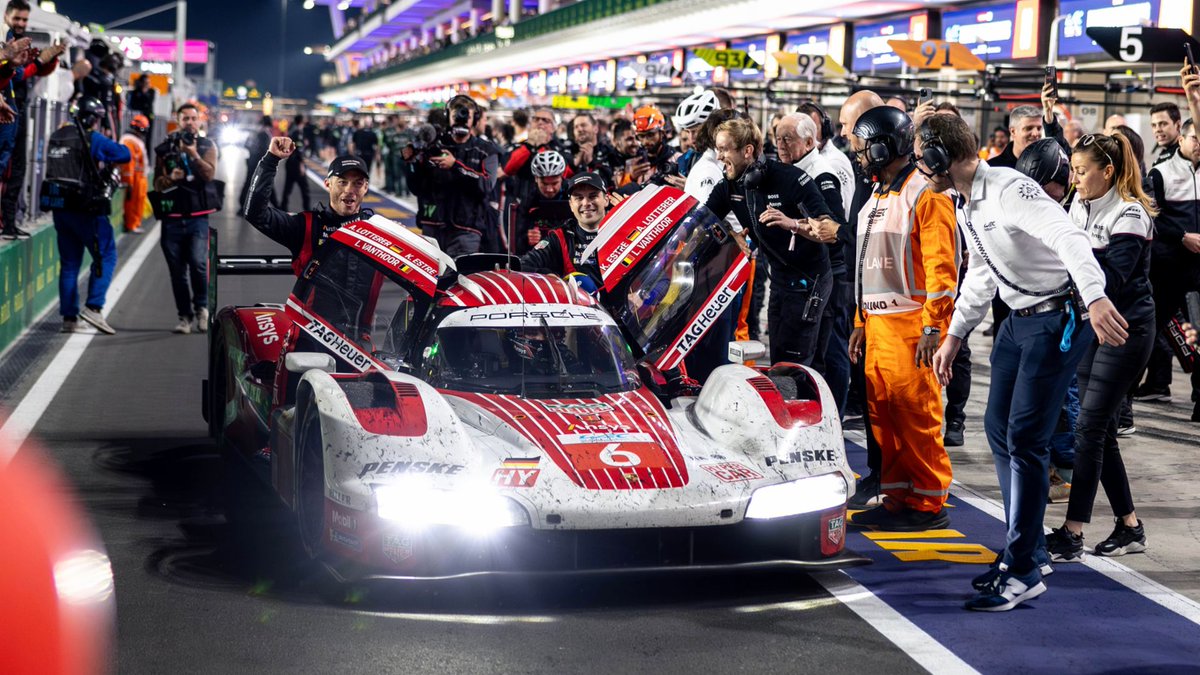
x: 995, y: 32
x: 872, y: 51
x: 590, y: 102
x: 1080, y: 15
x: 803, y: 65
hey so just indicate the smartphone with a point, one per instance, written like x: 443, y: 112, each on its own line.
x: 1189, y: 57
x: 1052, y: 78
x: 925, y: 95
x: 1193, y: 308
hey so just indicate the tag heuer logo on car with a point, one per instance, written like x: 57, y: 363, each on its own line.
x: 834, y: 530
x: 397, y: 548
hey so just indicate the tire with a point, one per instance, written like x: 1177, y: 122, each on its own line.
x: 310, y: 504
x: 218, y: 383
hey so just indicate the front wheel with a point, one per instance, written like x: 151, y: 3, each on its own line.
x: 311, y: 475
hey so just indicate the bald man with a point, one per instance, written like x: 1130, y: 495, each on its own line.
x: 1114, y: 121
x: 868, y: 486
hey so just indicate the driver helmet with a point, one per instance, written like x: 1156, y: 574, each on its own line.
x: 1045, y: 162
x: 695, y: 109
x: 139, y: 123
x: 548, y: 163
x: 888, y: 132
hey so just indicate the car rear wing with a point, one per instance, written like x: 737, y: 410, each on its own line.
x: 238, y: 264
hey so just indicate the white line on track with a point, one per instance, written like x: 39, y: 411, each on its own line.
x: 916, y: 643
x: 35, y: 402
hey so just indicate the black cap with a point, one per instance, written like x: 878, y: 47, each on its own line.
x: 589, y: 178
x: 347, y: 163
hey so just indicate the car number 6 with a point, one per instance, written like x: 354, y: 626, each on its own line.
x: 611, y: 456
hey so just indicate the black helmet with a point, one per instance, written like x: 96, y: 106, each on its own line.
x: 1045, y: 161
x: 888, y: 132
x: 87, y: 110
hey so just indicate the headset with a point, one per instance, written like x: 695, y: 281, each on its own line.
x: 934, y: 153
x: 754, y: 174
x: 809, y: 106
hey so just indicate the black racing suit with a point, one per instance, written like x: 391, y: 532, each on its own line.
x: 541, y: 213
x: 455, y: 200
x: 560, y: 252
x: 800, y: 275
x: 302, y: 233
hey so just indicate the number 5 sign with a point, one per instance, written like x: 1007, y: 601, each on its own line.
x: 1143, y: 44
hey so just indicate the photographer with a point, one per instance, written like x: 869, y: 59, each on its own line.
x: 783, y: 209
x: 184, y: 171
x: 458, y: 173
x: 78, y: 189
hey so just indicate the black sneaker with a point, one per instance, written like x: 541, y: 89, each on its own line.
x: 1124, y: 539
x: 1147, y: 394
x: 988, y: 579
x: 1064, y: 545
x: 905, y: 520
x: 953, y: 438
x: 1008, y: 591
x: 14, y: 233
x: 865, y: 491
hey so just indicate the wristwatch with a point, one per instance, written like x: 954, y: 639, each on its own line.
x: 929, y: 330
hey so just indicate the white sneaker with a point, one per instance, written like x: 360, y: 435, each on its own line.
x: 184, y: 326
x: 93, y: 317
x: 202, y: 320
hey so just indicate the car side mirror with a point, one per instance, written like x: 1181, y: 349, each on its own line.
x: 302, y: 362
x: 741, y: 351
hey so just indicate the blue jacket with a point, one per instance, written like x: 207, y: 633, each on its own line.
x: 105, y: 149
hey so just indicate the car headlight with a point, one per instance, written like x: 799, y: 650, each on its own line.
x: 805, y: 495
x: 415, y: 506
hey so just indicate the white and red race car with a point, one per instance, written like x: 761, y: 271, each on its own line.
x: 428, y: 418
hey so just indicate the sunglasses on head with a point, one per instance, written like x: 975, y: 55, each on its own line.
x: 1088, y: 139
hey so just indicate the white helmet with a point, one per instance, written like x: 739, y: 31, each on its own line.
x: 548, y: 163
x: 695, y: 109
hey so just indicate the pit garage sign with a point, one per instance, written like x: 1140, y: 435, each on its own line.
x: 1142, y: 44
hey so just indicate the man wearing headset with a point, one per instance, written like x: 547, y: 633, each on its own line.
x: 906, y: 276
x: 784, y: 212
x: 1022, y: 243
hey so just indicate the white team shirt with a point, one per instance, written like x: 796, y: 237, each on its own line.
x: 1010, y: 221
x: 1102, y: 218
x: 844, y: 172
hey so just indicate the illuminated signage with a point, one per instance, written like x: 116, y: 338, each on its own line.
x: 871, y: 49
x: 660, y: 64
x: 757, y: 50
x: 577, y: 79
x: 537, y: 83
x: 699, y: 70
x: 162, y: 51
x: 1082, y: 14
x: 556, y: 81
x: 600, y: 76
x: 627, y: 73
x: 811, y: 42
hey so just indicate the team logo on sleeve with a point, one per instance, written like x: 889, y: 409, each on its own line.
x: 1028, y: 190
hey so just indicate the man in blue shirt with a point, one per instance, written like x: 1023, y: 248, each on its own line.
x: 85, y: 226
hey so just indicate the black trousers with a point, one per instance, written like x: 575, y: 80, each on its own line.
x: 1105, y: 375
x: 297, y: 179
x: 794, y: 318
x: 1172, y: 279
x: 959, y: 389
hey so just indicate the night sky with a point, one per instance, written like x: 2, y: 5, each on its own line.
x: 246, y: 33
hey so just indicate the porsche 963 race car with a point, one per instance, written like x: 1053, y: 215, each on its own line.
x: 426, y: 417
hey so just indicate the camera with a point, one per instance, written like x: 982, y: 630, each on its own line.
x: 183, y: 136
x: 460, y: 120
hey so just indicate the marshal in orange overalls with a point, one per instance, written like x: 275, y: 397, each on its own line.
x: 907, y: 275
x: 133, y: 175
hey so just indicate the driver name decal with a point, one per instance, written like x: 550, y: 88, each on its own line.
x: 720, y: 300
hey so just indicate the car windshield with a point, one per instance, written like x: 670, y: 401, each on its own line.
x: 536, y: 357
x: 690, y: 263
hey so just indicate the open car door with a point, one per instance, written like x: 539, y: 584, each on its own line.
x: 669, y: 268
x: 363, y: 290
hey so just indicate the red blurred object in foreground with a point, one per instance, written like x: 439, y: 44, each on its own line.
x: 56, y: 586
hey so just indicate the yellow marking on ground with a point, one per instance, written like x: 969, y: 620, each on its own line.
x: 914, y: 551
x: 928, y: 534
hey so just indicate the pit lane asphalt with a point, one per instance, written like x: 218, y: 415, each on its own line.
x: 126, y: 430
